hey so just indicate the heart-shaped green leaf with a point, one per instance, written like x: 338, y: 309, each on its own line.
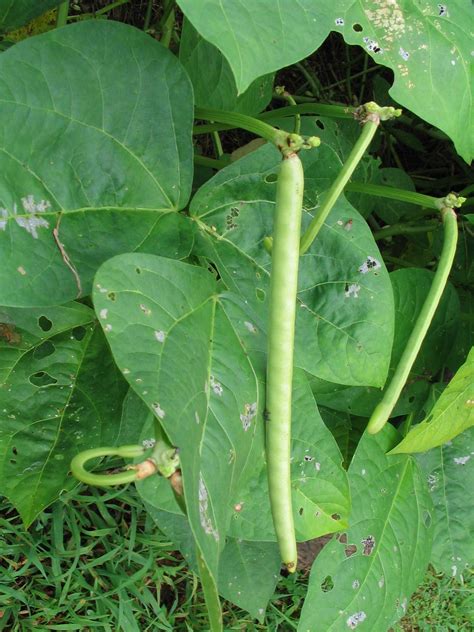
x: 344, y: 325
x: 260, y: 37
x: 96, y: 154
x: 173, y: 341
x: 371, y: 573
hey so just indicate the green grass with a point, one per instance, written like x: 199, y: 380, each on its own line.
x: 439, y: 605
x: 96, y: 561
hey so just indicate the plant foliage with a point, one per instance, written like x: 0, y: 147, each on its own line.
x: 135, y: 289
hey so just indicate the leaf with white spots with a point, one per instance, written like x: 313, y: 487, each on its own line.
x: 452, y: 413
x: 320, y: 492
x: 248, y: 571
x: 52, y: 405
x: 96, y: 157
x: 371, y: 572
x: 194, y: 376
x: 449, y: 471
x: 345, y: 320
x: 410, y: 288
x: 428, y: 46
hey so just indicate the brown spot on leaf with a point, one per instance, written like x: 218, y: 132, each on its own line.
x: 8, y: 334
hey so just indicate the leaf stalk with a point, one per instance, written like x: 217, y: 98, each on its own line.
x: 284, y: 141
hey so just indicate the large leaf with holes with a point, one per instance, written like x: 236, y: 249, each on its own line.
x: 215, y: 88
x: 319, y: 482
x: 344, y: 323
x: 428, y: 47
x: 172, y: 339
x: 449, y: 471
x: 410, y: 288
x: 15, y: 13
x: 96, y: 154
x: 320, y: 487
x: 188, y: 353
x: 371, y: 574
x: 426, y: 44
x: 60, y: 393
x: 452, y: 413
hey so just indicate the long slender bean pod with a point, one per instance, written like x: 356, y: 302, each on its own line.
x: 370, y: 114
x: 384, y: 409
x: 283, y: 288
x: 368, y: 132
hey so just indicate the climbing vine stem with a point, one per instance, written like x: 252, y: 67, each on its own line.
x: 323, y: 109
x: 284, y: 141
x: 384, y: 409
x: 405, y: 229
x: 62, y: 13
x: 243, y: 121
x: 280, y: 90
